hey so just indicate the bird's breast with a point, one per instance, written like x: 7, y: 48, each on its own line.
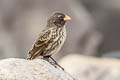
x: 59, y: 35
x: 57, y: 40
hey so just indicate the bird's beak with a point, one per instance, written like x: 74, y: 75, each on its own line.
x: 67, y: 18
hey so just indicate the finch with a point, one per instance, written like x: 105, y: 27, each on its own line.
x: 51, y: 38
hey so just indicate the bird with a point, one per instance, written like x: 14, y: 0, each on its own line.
x: 51, y: 38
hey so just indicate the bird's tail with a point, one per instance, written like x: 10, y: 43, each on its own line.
x: 34, y: 53
x: 29, y: 56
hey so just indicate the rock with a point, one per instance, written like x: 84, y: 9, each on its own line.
x: 38, y: 69
x: 90, y: 68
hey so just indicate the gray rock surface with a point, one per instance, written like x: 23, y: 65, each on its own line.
x: 38, y: 69
x: 90, y: 68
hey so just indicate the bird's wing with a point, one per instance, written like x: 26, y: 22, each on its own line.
x: 40, y: 43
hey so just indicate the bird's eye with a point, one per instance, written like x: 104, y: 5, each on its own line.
x: 59, y: 16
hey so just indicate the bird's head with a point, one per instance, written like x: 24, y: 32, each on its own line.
x: 58, y: 19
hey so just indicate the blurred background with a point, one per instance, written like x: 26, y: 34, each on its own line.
x: 93, y: 31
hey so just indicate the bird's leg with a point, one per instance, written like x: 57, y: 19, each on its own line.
x: 56, y: 63
x: 46, y: 58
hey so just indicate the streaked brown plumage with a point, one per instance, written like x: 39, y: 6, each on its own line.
x: 51, y: 38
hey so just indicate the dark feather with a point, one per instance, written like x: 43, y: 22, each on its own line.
x: 40, y: 44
